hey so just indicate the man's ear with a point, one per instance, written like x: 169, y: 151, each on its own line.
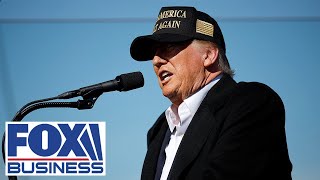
x: 210, y: 56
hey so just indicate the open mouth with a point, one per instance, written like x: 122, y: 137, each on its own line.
x: 165, y: 76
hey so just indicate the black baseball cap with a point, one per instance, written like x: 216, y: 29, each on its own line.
x: 177, y: 24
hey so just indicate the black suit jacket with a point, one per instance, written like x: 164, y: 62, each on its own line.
x: 237, y: 133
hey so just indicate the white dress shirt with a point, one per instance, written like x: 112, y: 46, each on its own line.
x: 179, y: 120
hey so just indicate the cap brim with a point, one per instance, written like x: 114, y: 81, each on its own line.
x: 143, y: 48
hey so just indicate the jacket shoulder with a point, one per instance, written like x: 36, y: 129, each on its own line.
x: 254, y: 97
x: 256, y: 91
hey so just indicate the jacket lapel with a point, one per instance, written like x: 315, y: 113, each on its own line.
x: 201, y: 125
x: 155, y: 138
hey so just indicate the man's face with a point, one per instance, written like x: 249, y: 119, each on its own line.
x: 180, y: 70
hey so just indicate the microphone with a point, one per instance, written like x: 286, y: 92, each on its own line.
x: 123, y: 82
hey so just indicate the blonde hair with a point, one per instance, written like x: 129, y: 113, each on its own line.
x: 223, y: 62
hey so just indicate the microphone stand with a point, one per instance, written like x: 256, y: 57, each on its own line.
x: 86, y: 103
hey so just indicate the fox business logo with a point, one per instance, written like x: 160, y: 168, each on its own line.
x: 55, y: 148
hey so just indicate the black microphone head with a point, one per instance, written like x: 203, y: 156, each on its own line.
x: 130, y: 81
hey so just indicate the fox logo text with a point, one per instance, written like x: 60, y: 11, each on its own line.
x: 55, y: 148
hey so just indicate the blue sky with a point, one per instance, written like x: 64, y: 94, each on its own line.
x: 49, y: 47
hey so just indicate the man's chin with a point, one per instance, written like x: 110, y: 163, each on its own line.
x: 168, y: 95
x: 173, y: 97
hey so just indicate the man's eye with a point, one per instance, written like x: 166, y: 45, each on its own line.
x: 171, y: 46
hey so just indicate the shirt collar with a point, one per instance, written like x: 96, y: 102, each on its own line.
x: 180, y: 118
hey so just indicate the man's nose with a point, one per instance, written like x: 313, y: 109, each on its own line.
x: 158, y: 61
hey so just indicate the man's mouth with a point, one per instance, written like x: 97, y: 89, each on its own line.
x: 165, y: 76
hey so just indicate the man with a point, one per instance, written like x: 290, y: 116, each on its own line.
x: 215, y: 128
